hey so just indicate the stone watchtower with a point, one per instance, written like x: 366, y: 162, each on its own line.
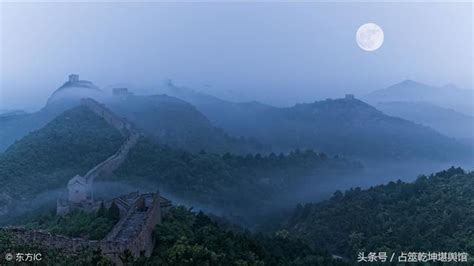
x: 80, y: 190
x: 350, y: 97
x: 73, y: 78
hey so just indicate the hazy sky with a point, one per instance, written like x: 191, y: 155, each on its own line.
x: 278, y: 53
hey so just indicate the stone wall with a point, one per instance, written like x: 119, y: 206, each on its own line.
x: 120, y: 124
x: 71, y: 245
x: 125, y: 128
x: 114, y: 161
x: 143, y: 243
x: 139, y: 242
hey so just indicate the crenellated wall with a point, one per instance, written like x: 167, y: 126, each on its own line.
x: 114, y: 161
x: 100, y: 109
x: 135, y: 236
x: 125, y: 128
x: 82, y: 193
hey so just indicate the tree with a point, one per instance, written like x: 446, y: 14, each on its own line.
x: 113, y: 212
x: 101, y: 211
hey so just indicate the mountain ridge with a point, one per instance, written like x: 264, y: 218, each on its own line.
x: 345, y: 126
x: 448, y: 96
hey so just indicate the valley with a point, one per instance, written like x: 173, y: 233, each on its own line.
x: 237, y: 181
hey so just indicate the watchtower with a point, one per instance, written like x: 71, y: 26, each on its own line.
x: 80, y: 190
x: 350, y: 97
x: 73, y: 78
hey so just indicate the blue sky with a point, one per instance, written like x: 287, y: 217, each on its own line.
x: 278, y: 53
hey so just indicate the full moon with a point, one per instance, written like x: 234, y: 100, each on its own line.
x: 369, y: 37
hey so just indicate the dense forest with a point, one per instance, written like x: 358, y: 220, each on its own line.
x: 78, y: 223
x: 189, y: 238
x: 47, y: 158
x: 231, y: 182
x: 78, y: 139
x: 434, y: 213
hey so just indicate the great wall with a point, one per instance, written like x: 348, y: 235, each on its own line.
x: 80, y: 188
x: 132, y: 233
x: 140, y: 213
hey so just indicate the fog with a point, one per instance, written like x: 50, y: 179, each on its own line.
x: 260, y: 217
x: 103, y: 190
x: 276, y: 53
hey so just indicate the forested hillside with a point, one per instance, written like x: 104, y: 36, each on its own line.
x: 14, y: 126
x: 434, y: 213
x: 187, y: 238
x: 174, y: 122
x: 346, y: 126
x: 47, y: 158
x: 232, y: 182
x: 78, y: 140
x: 164, y: 119
x: 446, y: 121
x: 184, y: 238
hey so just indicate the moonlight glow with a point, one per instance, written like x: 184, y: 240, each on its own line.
x: 369, y: 37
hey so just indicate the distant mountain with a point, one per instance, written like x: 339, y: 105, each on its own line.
x: 447, y: 121
x: 233, y: 117
x: 174, y: 122
x: 165, y: 119
x: 5, y: 112
x: 78, y: 139
x: 448, y: 96
x: 14, y: 126
x: 342, y: 126
x: 75, y: 89
x: 432, y: 213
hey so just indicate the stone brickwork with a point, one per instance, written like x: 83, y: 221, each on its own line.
x: 133, y: 232
x: 70, y: 245
x: 80, y: 188
x: 101, y: 110
x: 114, y: 161
x: 144, y: 215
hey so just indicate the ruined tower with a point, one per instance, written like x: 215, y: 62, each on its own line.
x: 73, y: 78
x: 80, y: 190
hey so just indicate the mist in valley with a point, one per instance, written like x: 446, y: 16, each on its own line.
x: 264, y: 216
x: 279, y: 127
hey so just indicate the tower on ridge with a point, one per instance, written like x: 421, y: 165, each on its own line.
x: 73, y: 78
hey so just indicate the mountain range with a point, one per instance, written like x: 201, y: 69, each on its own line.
x: 448, y: 96
x: 78, y: 139
x: 346, y: 126
x: 196, y: 121
x: 171, y: 121
x: 444, y: 120
x: 165, y: 119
